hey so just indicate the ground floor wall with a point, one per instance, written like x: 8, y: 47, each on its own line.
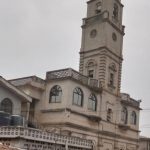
x: 37, y: 145
x: 102, y: 140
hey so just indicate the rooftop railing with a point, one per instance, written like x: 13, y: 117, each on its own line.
x: 70, y: 73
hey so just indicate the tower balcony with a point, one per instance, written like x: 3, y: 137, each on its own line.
x: 74, y: 75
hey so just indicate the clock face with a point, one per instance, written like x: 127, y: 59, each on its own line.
x: 114, y: 36
x: 93, y: 33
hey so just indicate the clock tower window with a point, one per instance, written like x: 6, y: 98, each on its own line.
x: 115, y: 11
x: 91, y: 69
x: 111, y: 82
x: 91, y: 73
x: 99, y: 7
x: 112, y: 71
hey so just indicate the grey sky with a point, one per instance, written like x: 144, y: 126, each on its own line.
x: 41, y: 35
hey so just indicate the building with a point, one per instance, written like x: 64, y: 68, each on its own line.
x: 144, y: 143
x: 24, y: 134
x: 89, y: 104
x: 12, y: 100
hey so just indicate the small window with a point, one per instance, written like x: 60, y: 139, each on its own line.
x: 55, y: 94
x: 111, y: 77
x: 91, y: 73
x: 124, y: 115
x: 98, y: 7
x: 78, y: 97
x: 91, y: 68
x: 133, y: 118
x: 114, y: 36
x: 111, y: 82
x: 115, y: 11
x: 92, y: 103
x: 6, y: 105
x: 93, y: 33
x: 109, y: 115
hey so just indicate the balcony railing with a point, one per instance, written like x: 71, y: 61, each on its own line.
x: 70, y: 73
x: 43, y: 136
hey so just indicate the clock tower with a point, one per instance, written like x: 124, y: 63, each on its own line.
x: 102, y: 40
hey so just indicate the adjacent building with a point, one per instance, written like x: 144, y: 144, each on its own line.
x: 87, y: 105
x: 144, y: 143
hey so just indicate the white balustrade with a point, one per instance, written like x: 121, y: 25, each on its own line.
x: 43, y: 136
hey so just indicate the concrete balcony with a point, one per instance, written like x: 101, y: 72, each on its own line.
x: 126, y: 99
x: 43, y: 136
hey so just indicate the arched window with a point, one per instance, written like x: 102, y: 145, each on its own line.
x: 115, y: 11
x: 55, y: 94
x: 133, y: 118
x: 92, y: 102
x: 112, y: 70
x: 78, y: 97
x: 109, y: 114
x: 6, y: 105
x: 99, y: 7
x: 91, y: 68
x: 124, y: 115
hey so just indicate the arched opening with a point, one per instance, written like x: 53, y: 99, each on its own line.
x: 92, y: 102
x: 55, y: 94
x: 124, y: 115
x: 7, y: 105
x: 78, y: 97
x: 133, y: 118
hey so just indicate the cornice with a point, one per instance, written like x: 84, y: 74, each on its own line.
x: 102, y: 48
x: 96, y: 131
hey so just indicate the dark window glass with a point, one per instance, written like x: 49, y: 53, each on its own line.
x: 98, y: 7
x: 133, y: 118
x: 6, y: 105
x: 111, y: 79
x: 78, y: 97
x: 115, y: 11
x: 124, y: 115
x: 92, y: 103
x: 91, y: 73
x: 109, y: 115
x: 55, y: 94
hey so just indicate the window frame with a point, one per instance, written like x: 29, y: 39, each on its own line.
x: 58, y: 95
x: 133, y: 118
x: 109, y: 115
x: 124, y: 115
x: 5, y: 107
x: 115, y: 11
x: 93, y: 99
x: 98, y: 7
x: 78, y: 93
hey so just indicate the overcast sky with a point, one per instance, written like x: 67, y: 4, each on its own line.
x: 42, y: 35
